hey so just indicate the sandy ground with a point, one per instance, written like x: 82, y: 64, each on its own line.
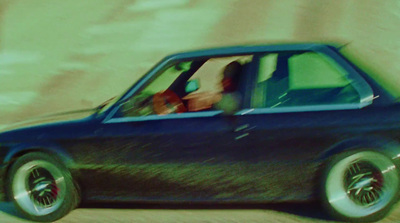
x: 140, y: 213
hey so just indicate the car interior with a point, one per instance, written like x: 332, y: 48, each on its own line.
x: 296, y: 83
x: 284, y: 80
x: 196, y: 86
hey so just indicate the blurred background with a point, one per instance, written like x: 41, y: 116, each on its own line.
x: 64, y: 55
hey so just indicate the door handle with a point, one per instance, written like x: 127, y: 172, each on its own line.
x: 242, y: 127
x: 241, y: 136
x: 245, y: 127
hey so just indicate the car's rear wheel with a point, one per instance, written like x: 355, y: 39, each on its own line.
x: 360, y: 186
x: 41, y: 188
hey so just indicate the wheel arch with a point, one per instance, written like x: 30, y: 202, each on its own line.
x: 385, y: 145
x: 51, y: 149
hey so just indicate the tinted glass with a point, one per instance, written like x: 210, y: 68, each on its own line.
x: 300, y: 79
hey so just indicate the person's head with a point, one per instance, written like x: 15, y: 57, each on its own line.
x: 231, y: 76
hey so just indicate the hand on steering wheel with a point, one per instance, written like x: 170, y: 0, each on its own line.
x: 167, y: 102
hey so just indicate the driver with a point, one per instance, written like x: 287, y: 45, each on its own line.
x: 230, y: 97
x: 228, y: 100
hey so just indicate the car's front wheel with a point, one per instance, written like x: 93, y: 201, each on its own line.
x: 41, y: 187
x: 360, y: 186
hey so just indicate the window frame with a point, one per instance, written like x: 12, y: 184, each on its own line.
x: 360, y: 84
x: 159, y: 70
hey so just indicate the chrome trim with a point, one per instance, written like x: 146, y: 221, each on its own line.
x: 164, y: 117
x: 308, y: 108
x: 252, y: 111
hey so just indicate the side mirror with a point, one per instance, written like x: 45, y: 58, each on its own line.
x: 139, y: 105
x: 192, y: 86
x: 183, y: 66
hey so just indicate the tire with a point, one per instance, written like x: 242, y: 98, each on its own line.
x: 359, y: 186
x: 41, y: 188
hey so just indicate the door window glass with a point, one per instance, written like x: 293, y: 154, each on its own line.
x: 200, y: 85
x: 311, y: 70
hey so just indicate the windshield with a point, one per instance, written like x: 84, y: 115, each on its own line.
x: 154, y: 87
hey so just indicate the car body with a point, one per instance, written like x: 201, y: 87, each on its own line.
x: 279, y: 144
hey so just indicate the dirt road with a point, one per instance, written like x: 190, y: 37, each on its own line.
x: 144, y: 213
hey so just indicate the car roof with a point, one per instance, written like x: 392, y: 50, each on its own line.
x: 248, y: 49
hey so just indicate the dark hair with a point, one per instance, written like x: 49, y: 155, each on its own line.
x: 233, y: 70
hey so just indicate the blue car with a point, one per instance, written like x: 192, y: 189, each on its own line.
x: 248, y: 124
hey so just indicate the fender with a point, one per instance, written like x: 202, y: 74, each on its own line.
x: 387, y: 146
x: 47, y: 147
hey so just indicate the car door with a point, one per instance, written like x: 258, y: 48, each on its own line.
x: 302, y: 104
x: 176, y: 156
x: 172, y: 157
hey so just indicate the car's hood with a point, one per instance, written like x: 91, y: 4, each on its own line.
x: 59, y: 117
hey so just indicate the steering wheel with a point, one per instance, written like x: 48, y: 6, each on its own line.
x: 167, y: 102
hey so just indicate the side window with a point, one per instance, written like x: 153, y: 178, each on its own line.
x: 219, y: 87
x: 299, y: 79
x: 311, y: 71
x: 163, y: 81
x: 142, y: 103
x: 191, y: 86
